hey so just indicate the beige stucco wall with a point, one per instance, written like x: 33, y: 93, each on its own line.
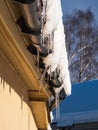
x: 15, y: 113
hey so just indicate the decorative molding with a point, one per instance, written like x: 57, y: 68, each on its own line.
x: 14, y: 47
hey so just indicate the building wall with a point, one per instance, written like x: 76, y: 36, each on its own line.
x: 15, y: 112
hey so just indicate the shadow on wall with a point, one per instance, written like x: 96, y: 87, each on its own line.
x: 10, y: 80
x: 15, y: 111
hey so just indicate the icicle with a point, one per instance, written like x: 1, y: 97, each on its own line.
x: 38, y: 3
x: 57, y: 106
x: 43, y: 20
x: 50, y: 73
x: 44, y: 73
x: 42, y: 38
x: 49, y: 45
x: 44, y: 8
x: 51, y: 42
x: 0, y: 80
x: 55, y: 74
x: 42, y: 77
x: 37, y: 60
x: 41, y: 84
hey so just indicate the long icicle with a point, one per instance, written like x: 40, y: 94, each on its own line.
x: 42, y: 77
x: 52, y: 41
x: 43, y: 14
x: 57, y: 106
x: 38, y: 60
x: 38, y: 3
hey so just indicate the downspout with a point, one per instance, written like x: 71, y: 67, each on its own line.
x: 31, y: 24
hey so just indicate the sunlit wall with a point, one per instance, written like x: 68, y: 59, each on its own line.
x: 15, y: 112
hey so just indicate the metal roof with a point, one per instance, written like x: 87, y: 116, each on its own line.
x: 81, y: 106
x: 84, y: 98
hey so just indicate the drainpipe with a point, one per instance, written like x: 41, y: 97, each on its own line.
x: 31, y: 25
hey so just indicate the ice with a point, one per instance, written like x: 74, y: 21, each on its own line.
x: 57, y: 106
x: 37, y: 60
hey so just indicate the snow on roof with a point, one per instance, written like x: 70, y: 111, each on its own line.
x: 80, y: 117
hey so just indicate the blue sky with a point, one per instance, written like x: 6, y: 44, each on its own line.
x: 69, y: 5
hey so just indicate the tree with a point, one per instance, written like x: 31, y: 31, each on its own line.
x: 82, y: 44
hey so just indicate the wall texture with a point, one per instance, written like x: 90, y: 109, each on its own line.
x: 15, y: 112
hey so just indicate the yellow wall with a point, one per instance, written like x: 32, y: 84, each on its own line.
x: 15, y: 112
